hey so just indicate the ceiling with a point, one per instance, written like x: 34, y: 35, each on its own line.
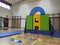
x: 17, y: 1
x: 13, y: 1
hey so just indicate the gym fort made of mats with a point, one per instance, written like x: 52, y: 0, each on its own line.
x: 29, y: 22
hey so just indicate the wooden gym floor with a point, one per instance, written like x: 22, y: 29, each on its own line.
x: 42, y: 40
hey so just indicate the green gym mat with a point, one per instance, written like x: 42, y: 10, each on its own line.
x: 29, y: 22
x: 44, y: 22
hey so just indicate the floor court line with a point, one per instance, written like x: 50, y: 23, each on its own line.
x: 37, y: 40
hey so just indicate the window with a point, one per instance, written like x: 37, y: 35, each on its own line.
x: 0, y: 3
x: 4, y: 5
x: 7, y: 6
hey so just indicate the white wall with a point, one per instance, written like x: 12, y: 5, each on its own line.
x: 3, y: 13
x: 24, y: 8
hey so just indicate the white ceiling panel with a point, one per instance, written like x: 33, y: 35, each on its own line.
x: 16, y: 1
x: 13, y: 1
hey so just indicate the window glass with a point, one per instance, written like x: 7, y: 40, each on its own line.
x: 0, y: 3
x: 4, y: 5
x: 7, y: 6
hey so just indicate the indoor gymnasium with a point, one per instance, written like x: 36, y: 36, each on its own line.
x: 29, y: 22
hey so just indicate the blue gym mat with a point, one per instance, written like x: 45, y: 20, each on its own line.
x: 56, y: 34
x: 37, y: 32
x: 6, y: 34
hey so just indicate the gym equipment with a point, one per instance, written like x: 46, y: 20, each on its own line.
x: 40, y: 39
x: 19, y: 41
x: 44, y: 22
x: 56, y: 34
x: 6, y: 34
x: 46, y: 27
x: 33, y: 38
x: 30, y: 39
x: 12, y: 40
x: 29, y: 22
x: 15, y: 36
x: 36, y: 22
x: 40, y: 24
x: 41, y: 10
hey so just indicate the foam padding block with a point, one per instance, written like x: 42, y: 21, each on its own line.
x: 56, y: 34
x: 15, y: 36
x: 6, y: 34
x: 38, y: 32
x: 41, y: 10
x: 36, y: 22
x: 29, y: 22
x: 44, y: 22
x: 40, y: 39
x: 30, y: 39
x: 19, y: 41
x: 12, y: 40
